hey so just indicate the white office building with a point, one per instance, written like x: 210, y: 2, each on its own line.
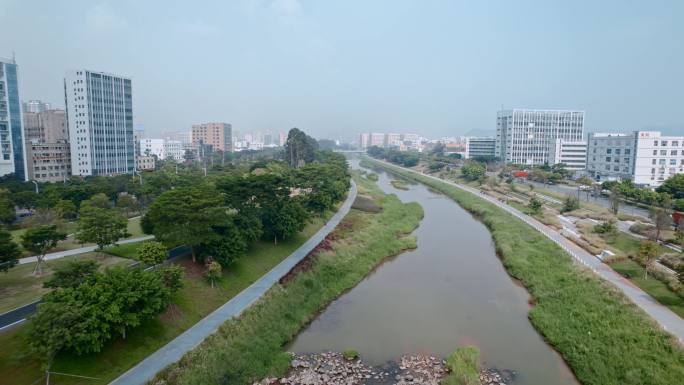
x: 152, y: 147
x: 646, y: 158
x: 524, y: 136
x: 572, y: 154
x: 480, y: 148
x: 100, y: 123
x: 174, y: 149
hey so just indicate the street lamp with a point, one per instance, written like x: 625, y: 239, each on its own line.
x: 36, y: 183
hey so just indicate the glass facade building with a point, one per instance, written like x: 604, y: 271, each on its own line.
x: 12, y: 144
x: 100, y: 123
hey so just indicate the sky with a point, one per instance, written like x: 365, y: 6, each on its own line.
x: 337, y: 68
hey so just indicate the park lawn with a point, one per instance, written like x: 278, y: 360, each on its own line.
x: 189, y: 305
x: 654, y: 287
x: 629, y: 245
x: 126, y: 250
x: 19, y: 286
x: 134, y: 227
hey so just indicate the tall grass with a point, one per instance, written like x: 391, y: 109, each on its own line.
x: 464, y: 367
x: 250, y: 347
x: 604, y: 338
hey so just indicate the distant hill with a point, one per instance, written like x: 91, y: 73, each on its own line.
x: 481, y: 132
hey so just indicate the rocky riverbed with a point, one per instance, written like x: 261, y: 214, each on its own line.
x: 334, y: 369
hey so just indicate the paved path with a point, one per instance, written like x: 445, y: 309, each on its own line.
x: 80, y: 250
x: 667, y: 319
x: 174, y: 350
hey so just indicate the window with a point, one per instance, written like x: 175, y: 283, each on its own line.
x: 607, y: 159
x: 673, y: 162
x: 655, y: 143
x: 663, y: 143
x: 653, y: 161
x: 675, y: 143
x: 608, y: 167
x: 673, y: 152
x: 616, y: 168
x: 661, y: 161
x: 653, y: 171
x: 609, y: 150
x: 617, y: 151
x: 663, y: 152
x: 655, y: 152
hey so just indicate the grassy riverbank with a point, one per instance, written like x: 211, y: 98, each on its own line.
x: 602, y: 336
x: 189, y: 305
x: 250, y: 347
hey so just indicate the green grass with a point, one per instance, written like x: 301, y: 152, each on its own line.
x: 126, y: 250
x: 604, y: 337
x: 192, y: 303
x: 655, y: 288
x: 250, y: 347
x: 464, y: 367
x: 399, y: 184
x: 629, y: 245
x: 19, y: 286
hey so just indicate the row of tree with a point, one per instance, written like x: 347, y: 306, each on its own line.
x: 672, y: 188
x: 221, y: 218
x: 403, y: 158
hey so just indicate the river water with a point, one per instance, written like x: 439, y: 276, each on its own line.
x: 451, y: 291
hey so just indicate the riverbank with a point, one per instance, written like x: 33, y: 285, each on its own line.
x: 604, y: 338
x: 249, y: 348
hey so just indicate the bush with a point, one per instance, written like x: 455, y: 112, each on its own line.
x: 464, y: 367
x: 372, y: 176
x: 350, y: 354
x: 571, y: 203
x: 152, y: 253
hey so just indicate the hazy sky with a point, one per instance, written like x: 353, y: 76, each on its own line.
x: 335, y: 68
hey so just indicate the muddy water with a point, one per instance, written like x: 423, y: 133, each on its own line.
x: 451, y: 291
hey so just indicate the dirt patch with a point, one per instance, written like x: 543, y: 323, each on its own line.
x: 366, y: 204
x: 171, y: 314
x: 192, y: 269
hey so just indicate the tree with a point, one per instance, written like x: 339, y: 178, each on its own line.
x: 39, y: 240
x: 172, y: 277
x: 9, y: 251
x: 662, y: 216
x: 283, y: 219
x: 607, y: 228
x: 128, y: 204
x: 227, y: 243
x: 299, y: 148
x: 99, y: 200
x: 101, y: 226
x: 674, y: 186
x: 614, y: 198
x: 7, y: 213
x: 473, y: 171
x: 73, y: 274
x: 152, y: 253
x: 648, y: 251
x: 213, y: 272
x: 66, y: 209
x: 535, y: 205
x: 571, y: 203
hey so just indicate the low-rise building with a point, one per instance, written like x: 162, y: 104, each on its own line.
x: 573, y: 154
x: 145, y: 163
x: 646, y: 158
x: 480, y: 148
x: 152, y: 147
x: 48, y: 162
x: 174, y: 149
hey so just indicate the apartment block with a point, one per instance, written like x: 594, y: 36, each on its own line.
x: 48, y: 162
x: 572, y: 154
x: 100, y: 123
x: 480, y: 147
x: 12, y: 143
x: 524, y: 136
x: 217, y: 135
x: 364, y: 140
x: 152, y: 147
x: 48, y: 126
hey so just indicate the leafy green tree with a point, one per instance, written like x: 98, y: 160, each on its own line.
x: 535, y: 205
x: 7, y: 213
x: 648, y: 252
x: 674, y: 186
x: 66, y: 209
x: 9, y: 251
x: 473, y: 171
x: 226, y: 245
x: 184, y: 216
x: 99, y: 200
x: 101, y: 226
x: 213, y: 272
x: 172, y: 277
x: 128, y: 204
x: 607, y: 228
x: 283, y: 219
x: 299, y: 148
x: 72, y: 274
x: 39, y: 240
x: 152, y: 253
x: 571, y: 203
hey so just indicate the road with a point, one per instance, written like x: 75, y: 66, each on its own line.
x: 80, y: 250
x: 667, y: 319
x: 174, y: 350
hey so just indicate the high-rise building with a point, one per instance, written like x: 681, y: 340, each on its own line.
x: 376, y: 139
x: 47, y: 126
x: 12, y: 144
x: 217, y: 135
x: 36, y: 106
x: 645, y: 157
x: 523, y: 136
x: 100, y: 123
x: 364, y: 139
x: 392, y: 140
x: 572, y: 154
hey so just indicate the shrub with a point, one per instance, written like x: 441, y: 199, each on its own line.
x: 350, y: 354
x: 152, y: 253
x: 464, y: 367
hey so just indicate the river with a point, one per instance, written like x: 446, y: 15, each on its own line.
x: 451, y: 291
